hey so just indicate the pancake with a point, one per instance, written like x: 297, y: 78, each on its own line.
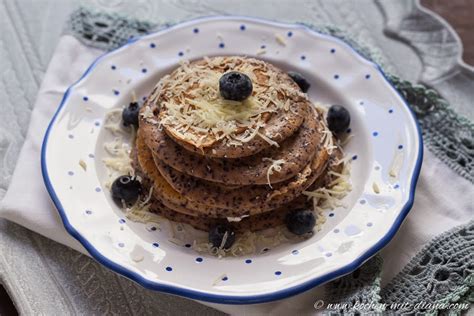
x: 296, y: 152
x: 252, y: 223
x: 145, y: 166
x: 247, y: 200
x: 188, y: 106
x: 205, y: 217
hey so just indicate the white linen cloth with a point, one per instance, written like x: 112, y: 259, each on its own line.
x: 443, y: 199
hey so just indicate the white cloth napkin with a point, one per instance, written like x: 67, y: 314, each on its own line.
x: 443, y: 199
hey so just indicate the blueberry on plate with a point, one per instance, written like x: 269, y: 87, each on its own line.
x: 300, y: 221
x: 235, y: 86
x: 126, y: 189
x: 299, y: 80
x: 130, y: 114
x: 217, y: 234
x: 338, y: 119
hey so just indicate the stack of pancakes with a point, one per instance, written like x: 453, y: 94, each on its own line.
x: 250, y: 174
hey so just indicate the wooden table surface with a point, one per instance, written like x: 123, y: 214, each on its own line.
x: 459, y: 14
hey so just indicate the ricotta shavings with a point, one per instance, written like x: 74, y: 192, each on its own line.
x: 280, y: 39
x: 275, y: 166
x: 249, y: 242
x: 328, y: 138
x: 191, y: 105
x: 330, y: 195
x: 118, y: 162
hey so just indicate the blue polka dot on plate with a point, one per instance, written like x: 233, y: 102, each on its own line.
x: 85, y: 98
x: 295, y: 252
x: 400, y: 146
x: 113, y: 67
x: 263, y: 46
x: 333, y: 50
x: 221, y: 45
x: 328, y: 254
x: 121, y: 244
x: 367, y: 76
x: 155, y: 245
x: 152, y: 45
x: 375, y: 133
x: 91, y: 156
x: 70, y: 136
x: 116, y: 92
x: 331, y: 214
x: 187, y: 245
x: 88, y: 212
x: 195, y: 30
x: 362, y: 202
x: 144, y: 70
x: 97, y: 123
x: 336, y: 230
x: 390, y: 111
x: 248, y: 261
x: 303, y: 57
x: 121, y: 221
x: 180, y: 54
x: 277, y: 272
x: 70, y: 173
x: 369, y: 224
x: 336, y: 77
x: 354, y: 157
x: 225, y: 278
x: 98, y: 189
x: 199, y: 259
x: 242, y: 27
x: 169, y: 269
x: 289, y: 34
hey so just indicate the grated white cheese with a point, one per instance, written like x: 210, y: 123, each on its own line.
x: 280, y: 39
x: 375, y: 187
x: 396, y: 165
x: 261, y: 51
x: 275, y: 166
x: 83, y: 164
x: 236, y: 219
x: 329, y: 197
x: 194, y: 110
x: 118, y: 162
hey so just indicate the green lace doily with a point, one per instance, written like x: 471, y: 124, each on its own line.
x: 443, y: 272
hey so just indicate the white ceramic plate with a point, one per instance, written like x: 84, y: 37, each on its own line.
x: 386, y: 140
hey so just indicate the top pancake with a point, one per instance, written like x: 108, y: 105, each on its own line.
x: 188, y: 105
x: 293, y: 154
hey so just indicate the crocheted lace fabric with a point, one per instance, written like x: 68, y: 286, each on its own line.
x: 443, y: 272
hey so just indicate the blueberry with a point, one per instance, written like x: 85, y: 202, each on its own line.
x: 235, y: 86
x: 126, y: 189
x: 300, y: 221
x: 299, y: 80
x: 130, y: 114
x: 338, y: 119
x: 217, y: 233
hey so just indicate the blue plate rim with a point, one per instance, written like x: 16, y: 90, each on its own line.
x: 232, y: 299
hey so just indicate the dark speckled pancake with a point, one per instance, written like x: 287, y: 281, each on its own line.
x: 252, y: 223
x: 297, y: 151
x: 205, y: 216
x: 245, y: 200
x: 163, y: 191
x: 278, y: 125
